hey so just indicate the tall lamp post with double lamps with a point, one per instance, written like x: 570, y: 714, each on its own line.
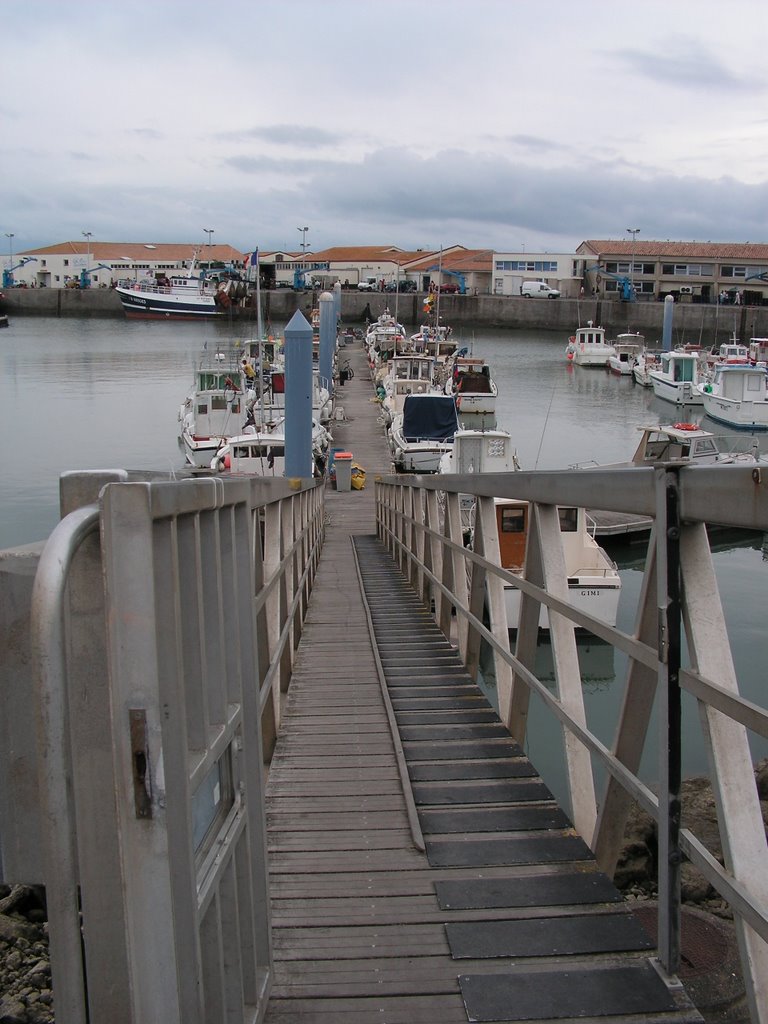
x: 86, y: 282
x: 303, y: 239
x: 209, y: 232
x: 634, y: 232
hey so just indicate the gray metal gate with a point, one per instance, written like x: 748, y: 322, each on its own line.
x: 162, y: 633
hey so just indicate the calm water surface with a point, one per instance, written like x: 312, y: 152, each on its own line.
x: 92, y: 394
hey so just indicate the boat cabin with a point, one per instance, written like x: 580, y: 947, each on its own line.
x: 739, y: 383
x: 680, y: 367
x: 255, y: 454
x: 732, y: 352
x: 758, y: 350
x: 682, y: 441
x: 482, y: 451
x: 512, y: 519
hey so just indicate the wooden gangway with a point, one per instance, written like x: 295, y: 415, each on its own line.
x: 420, y: 870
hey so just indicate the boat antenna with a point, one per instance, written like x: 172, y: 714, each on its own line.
x: 544, y: 429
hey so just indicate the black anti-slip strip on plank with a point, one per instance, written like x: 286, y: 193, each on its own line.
x: 450, y: 731
x: 550, y: 890
x: 539, y: 936
x: 494, y: 791
x: 475, y: 853
x: 493, y: 819
x: 458, y: 717
x: 558, y: 993
x: 481, y: 805
x: 471, y: 770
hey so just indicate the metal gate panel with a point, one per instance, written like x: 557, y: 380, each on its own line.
x: 185, y: 701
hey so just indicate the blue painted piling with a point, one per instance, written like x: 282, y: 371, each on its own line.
x: 327, y: 340
x: 666, y: 332
x: 298, y: 397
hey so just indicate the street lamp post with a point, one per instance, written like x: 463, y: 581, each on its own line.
x: 10, y: 237
x: 303, y: 239
x: 87, y: 235
x: 634, y: 232
x: 209, y: 232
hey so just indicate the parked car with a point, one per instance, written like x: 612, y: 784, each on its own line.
x: 449, y: 289
x: 370, y: 284
x: 401, y: 286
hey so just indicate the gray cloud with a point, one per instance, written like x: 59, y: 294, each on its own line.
x: 305, y: 136
x: 693, y: 67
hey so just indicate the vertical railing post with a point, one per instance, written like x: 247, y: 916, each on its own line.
x: 670, y: 711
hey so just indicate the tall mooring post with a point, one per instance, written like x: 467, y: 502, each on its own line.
x: 666, y: 330
x: 327, y: 340
x: 298, y: 397
x: 337, y: 303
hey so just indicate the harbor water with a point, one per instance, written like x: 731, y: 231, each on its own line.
x: 95, y: 394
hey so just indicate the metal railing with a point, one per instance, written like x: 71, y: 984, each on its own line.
x: 419, y: 519
x: 164, y: 620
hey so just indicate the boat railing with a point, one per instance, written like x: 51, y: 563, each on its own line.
x: 419, y: 520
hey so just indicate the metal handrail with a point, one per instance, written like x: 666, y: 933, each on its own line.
x: 677, y: 499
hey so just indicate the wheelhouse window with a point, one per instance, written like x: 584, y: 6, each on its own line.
x: 513, y: 520
x: 569, y: 518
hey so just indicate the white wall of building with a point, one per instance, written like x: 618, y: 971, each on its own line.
x: 510, y: 269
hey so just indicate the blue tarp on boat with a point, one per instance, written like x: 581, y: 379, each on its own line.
x: 429, y: 418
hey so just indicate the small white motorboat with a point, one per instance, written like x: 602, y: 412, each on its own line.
x: 588, y: 347
x: 627, y: 349
x: 472, y: 385
x: 678, y: 377
x: 423, y: 432
x: 737, y: 396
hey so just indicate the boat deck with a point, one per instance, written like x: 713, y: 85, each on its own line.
x: 420, y: 871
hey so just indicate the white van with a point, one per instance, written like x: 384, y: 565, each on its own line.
x: 538, y: 290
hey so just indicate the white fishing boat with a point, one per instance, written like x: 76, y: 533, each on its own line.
x: 588, y: 347
x: 689, y: 442
x: 729, y: 353
x: 404, y: 375
x: 215, y: 409
x: 262, y: 452
x: 383, y: 338
x: 182, y: 296
x: 270, y: 401
x: 646, y: 363
x: 678, y: 377
x: 594, y: 584
x: 737, y: 396
x: 478, y: 451
x: 472, y: 385
x: 627, y: 348
x: 423, y: 432
x: 758, y: 351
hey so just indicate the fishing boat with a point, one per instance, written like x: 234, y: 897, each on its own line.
x: 181, y: 297
x: 383, y: 339
x: 472, y: 385
x: 689, y: 442
x: 737, y: 396
x: 262, y: 452
x: 758, y: 351
x: 729, y: 353
x: 646, y: 363
x: 594, y: 584
x: 403, y: 375
x: 678, y: 377
x: 423, y: 432
x: 627, y: 348
x: 216, y: 408
x: 588, y: 347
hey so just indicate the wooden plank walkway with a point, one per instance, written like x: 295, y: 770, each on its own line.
x: 422, y: 872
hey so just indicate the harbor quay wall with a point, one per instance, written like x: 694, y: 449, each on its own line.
x: 691, y: 322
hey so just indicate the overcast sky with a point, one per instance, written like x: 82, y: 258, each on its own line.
x: 488, y: 123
